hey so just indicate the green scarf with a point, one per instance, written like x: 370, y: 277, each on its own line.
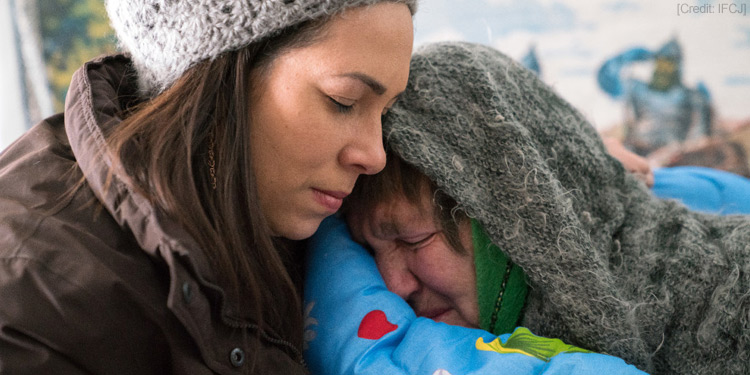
x: 501, y: 285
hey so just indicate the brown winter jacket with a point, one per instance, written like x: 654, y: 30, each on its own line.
x: 102, y: 283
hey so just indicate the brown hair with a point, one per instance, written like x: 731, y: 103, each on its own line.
x: 163, y: 146
x: 400, y: 179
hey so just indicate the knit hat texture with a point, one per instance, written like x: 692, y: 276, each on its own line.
x: 167, y: 37
x: 610, y: 267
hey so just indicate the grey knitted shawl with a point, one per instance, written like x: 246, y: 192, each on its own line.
x: 611, y: 268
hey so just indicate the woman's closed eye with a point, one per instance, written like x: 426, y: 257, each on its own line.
x: 417, y: 242
x: 341, y: 105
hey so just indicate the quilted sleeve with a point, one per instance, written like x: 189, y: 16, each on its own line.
x: 354, y: 325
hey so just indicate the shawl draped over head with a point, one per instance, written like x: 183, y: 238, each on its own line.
x: 611, y: 268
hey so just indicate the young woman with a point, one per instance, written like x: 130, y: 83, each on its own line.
x: 608, y: 266
x: 143, y: 230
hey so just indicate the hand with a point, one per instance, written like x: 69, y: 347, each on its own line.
x: 633, y: 163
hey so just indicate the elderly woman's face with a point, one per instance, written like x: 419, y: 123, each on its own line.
x: 316, y: 115
x: 417, y: 262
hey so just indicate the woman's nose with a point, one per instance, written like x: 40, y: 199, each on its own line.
x: 397, y: 276
x: 365, y: 151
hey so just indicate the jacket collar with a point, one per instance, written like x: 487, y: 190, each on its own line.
x: 98, y: 92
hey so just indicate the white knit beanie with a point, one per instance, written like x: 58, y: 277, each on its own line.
x: 166, y: 37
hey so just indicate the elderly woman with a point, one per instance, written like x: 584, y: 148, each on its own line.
x: 608, y: 266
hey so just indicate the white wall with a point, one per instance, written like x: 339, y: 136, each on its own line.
x: 12, y: 117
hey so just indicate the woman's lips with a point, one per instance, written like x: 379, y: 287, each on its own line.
x: 435, y: 315
x: 331, y: 200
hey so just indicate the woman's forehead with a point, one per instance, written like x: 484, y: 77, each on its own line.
x: 399, y: 216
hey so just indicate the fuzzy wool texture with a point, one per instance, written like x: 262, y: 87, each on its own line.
x: 167, y: 37
x: 611, y: 268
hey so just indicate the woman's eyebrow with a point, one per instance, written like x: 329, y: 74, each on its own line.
x: 389, y: 228
x: 372, y: 83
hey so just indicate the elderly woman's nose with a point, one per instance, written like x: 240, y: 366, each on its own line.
x: 398, y: 277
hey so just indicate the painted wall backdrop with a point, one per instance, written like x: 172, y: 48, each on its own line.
x: 47, y: 40
x: 44, y: 42
x: 572, y: 38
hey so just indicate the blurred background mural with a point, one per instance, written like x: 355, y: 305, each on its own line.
x: 671, y: 79
x: 43, y: 43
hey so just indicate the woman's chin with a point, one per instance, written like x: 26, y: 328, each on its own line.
x: 298, y: 230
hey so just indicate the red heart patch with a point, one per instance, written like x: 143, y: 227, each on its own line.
x: 375, y: 325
